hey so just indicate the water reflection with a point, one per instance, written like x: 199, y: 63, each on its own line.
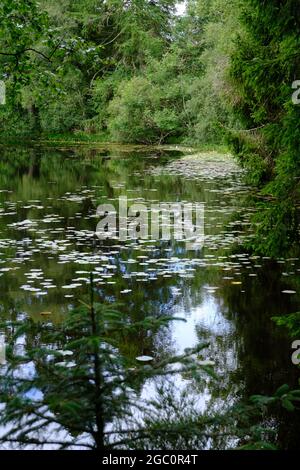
x: 48, y: 201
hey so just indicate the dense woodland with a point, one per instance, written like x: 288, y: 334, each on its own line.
x: 135, y: 72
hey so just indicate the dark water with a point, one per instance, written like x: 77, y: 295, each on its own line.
x: 48, y: 203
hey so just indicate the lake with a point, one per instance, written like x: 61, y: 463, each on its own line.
x: 48, y: 217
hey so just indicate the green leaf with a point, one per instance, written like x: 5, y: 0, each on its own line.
x: 288, y: 405
x: 282, y: 390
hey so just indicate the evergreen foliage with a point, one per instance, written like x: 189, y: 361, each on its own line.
x: 264, y: 66
x: 70, y: 385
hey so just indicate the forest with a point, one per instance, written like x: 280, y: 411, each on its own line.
x: 160, y: 101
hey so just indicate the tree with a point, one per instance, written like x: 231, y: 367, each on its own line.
x: 71, y: 386
x: 265, y: 64
x: 22, y: 26
x: 151, y: 107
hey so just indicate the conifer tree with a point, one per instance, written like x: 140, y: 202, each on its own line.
x: 69, y: 385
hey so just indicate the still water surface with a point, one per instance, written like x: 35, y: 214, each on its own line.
x: 48, y: 247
